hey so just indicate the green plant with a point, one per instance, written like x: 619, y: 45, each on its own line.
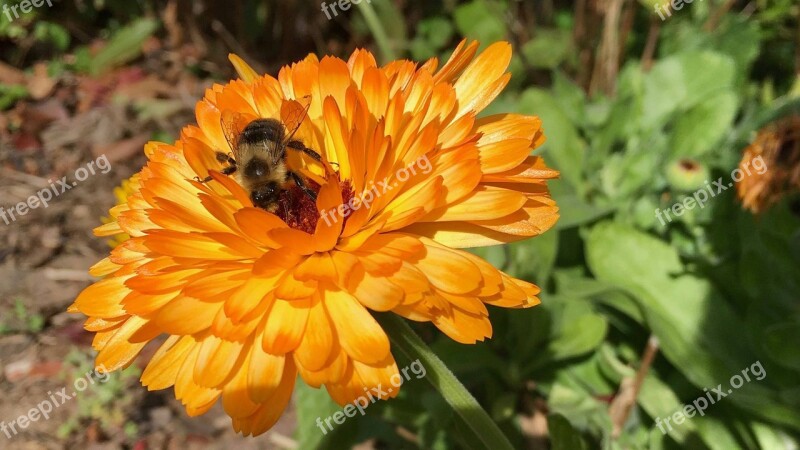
x: 106, y: 401
x: 29, y: 323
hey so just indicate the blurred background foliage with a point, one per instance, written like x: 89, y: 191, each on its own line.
x: 629, y: 102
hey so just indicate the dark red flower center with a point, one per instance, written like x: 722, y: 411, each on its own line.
x: 299, y: 211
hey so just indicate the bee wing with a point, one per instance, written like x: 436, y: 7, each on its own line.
x: 293, y: 113
x: 233, y: 124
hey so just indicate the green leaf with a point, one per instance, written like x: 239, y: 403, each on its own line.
x: 10, y: 94
x: 572, y: 282
x: 433, y: 34
x: 574, y: 401
x: 563, y: 436
x: 769, y: 438
x: 740, y: 39
x: 312, y: 403
x: 549, y: 48
x: 534, y: 258
x: 701, y: 127
x: 782, y: 343
x: 715, y: 433
x: 697, y: 330
x: 577, y: 330
x: 611, y: 366
x: 563, y: 146
x: 481, y: 20
x: 629, y: 172
x: 442, y: 379
x: 53, y: 33
x: 682, y: 81
x: 580, y: 336
x: 124, y: 46
x: 573, y: 98
x: 660, y: 402
x: 575, y: 212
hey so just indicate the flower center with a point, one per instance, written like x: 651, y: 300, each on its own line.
x: 299, y: 211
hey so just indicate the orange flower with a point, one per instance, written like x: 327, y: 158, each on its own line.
x: 772, y: 165
x: 249, y: 299
x: 121, y: 193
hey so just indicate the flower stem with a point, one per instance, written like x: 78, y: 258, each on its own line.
x: 375, y: 26
x: 442, y: 379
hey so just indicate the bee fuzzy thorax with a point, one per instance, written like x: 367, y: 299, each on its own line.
x: 258, y: 161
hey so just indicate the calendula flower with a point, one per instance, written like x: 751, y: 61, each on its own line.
x: 121, y: 193
x: 249, y: 299
x: 771, y: 165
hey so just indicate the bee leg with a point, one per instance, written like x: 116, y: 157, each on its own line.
x: 225, y: 158
x: 299, y: 182
x: 299, y: 146
x: 225, y: 171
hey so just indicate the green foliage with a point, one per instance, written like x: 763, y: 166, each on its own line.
x: 10, y: 93
x: 716, y: 288
x: 433, y: 34
x: 52, y: 33
x: 23, y: 321
x: 105, y: 400
x: 482, y: 20
x: 125, y: 45
x: 313, y: 403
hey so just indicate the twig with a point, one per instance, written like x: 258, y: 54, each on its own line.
x: 24, y: 177
x: 650, y: 46
x: 628, y: 17
x: 233, y: 44
x: 67, y: 275
x: 607, y: 63
x: 623, y: 403
x: 282, y: 441
x: 797, y: 47
x: 716, y: 16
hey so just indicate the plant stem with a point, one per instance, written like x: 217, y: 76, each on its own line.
x: 375, y: 26
x: 442, y: 379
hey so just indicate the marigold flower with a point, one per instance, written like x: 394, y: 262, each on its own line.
x: 250, y: 299
x: 771, y: 164
x: 121, y: 193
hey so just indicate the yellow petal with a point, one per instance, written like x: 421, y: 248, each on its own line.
x: 244, y: 70
x: 360, y: 335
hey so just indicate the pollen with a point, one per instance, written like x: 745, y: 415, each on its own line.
x: 297, y: 209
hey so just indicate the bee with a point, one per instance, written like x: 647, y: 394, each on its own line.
x: 258, y: 154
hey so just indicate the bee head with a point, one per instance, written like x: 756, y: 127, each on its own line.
x: 265, y: 195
